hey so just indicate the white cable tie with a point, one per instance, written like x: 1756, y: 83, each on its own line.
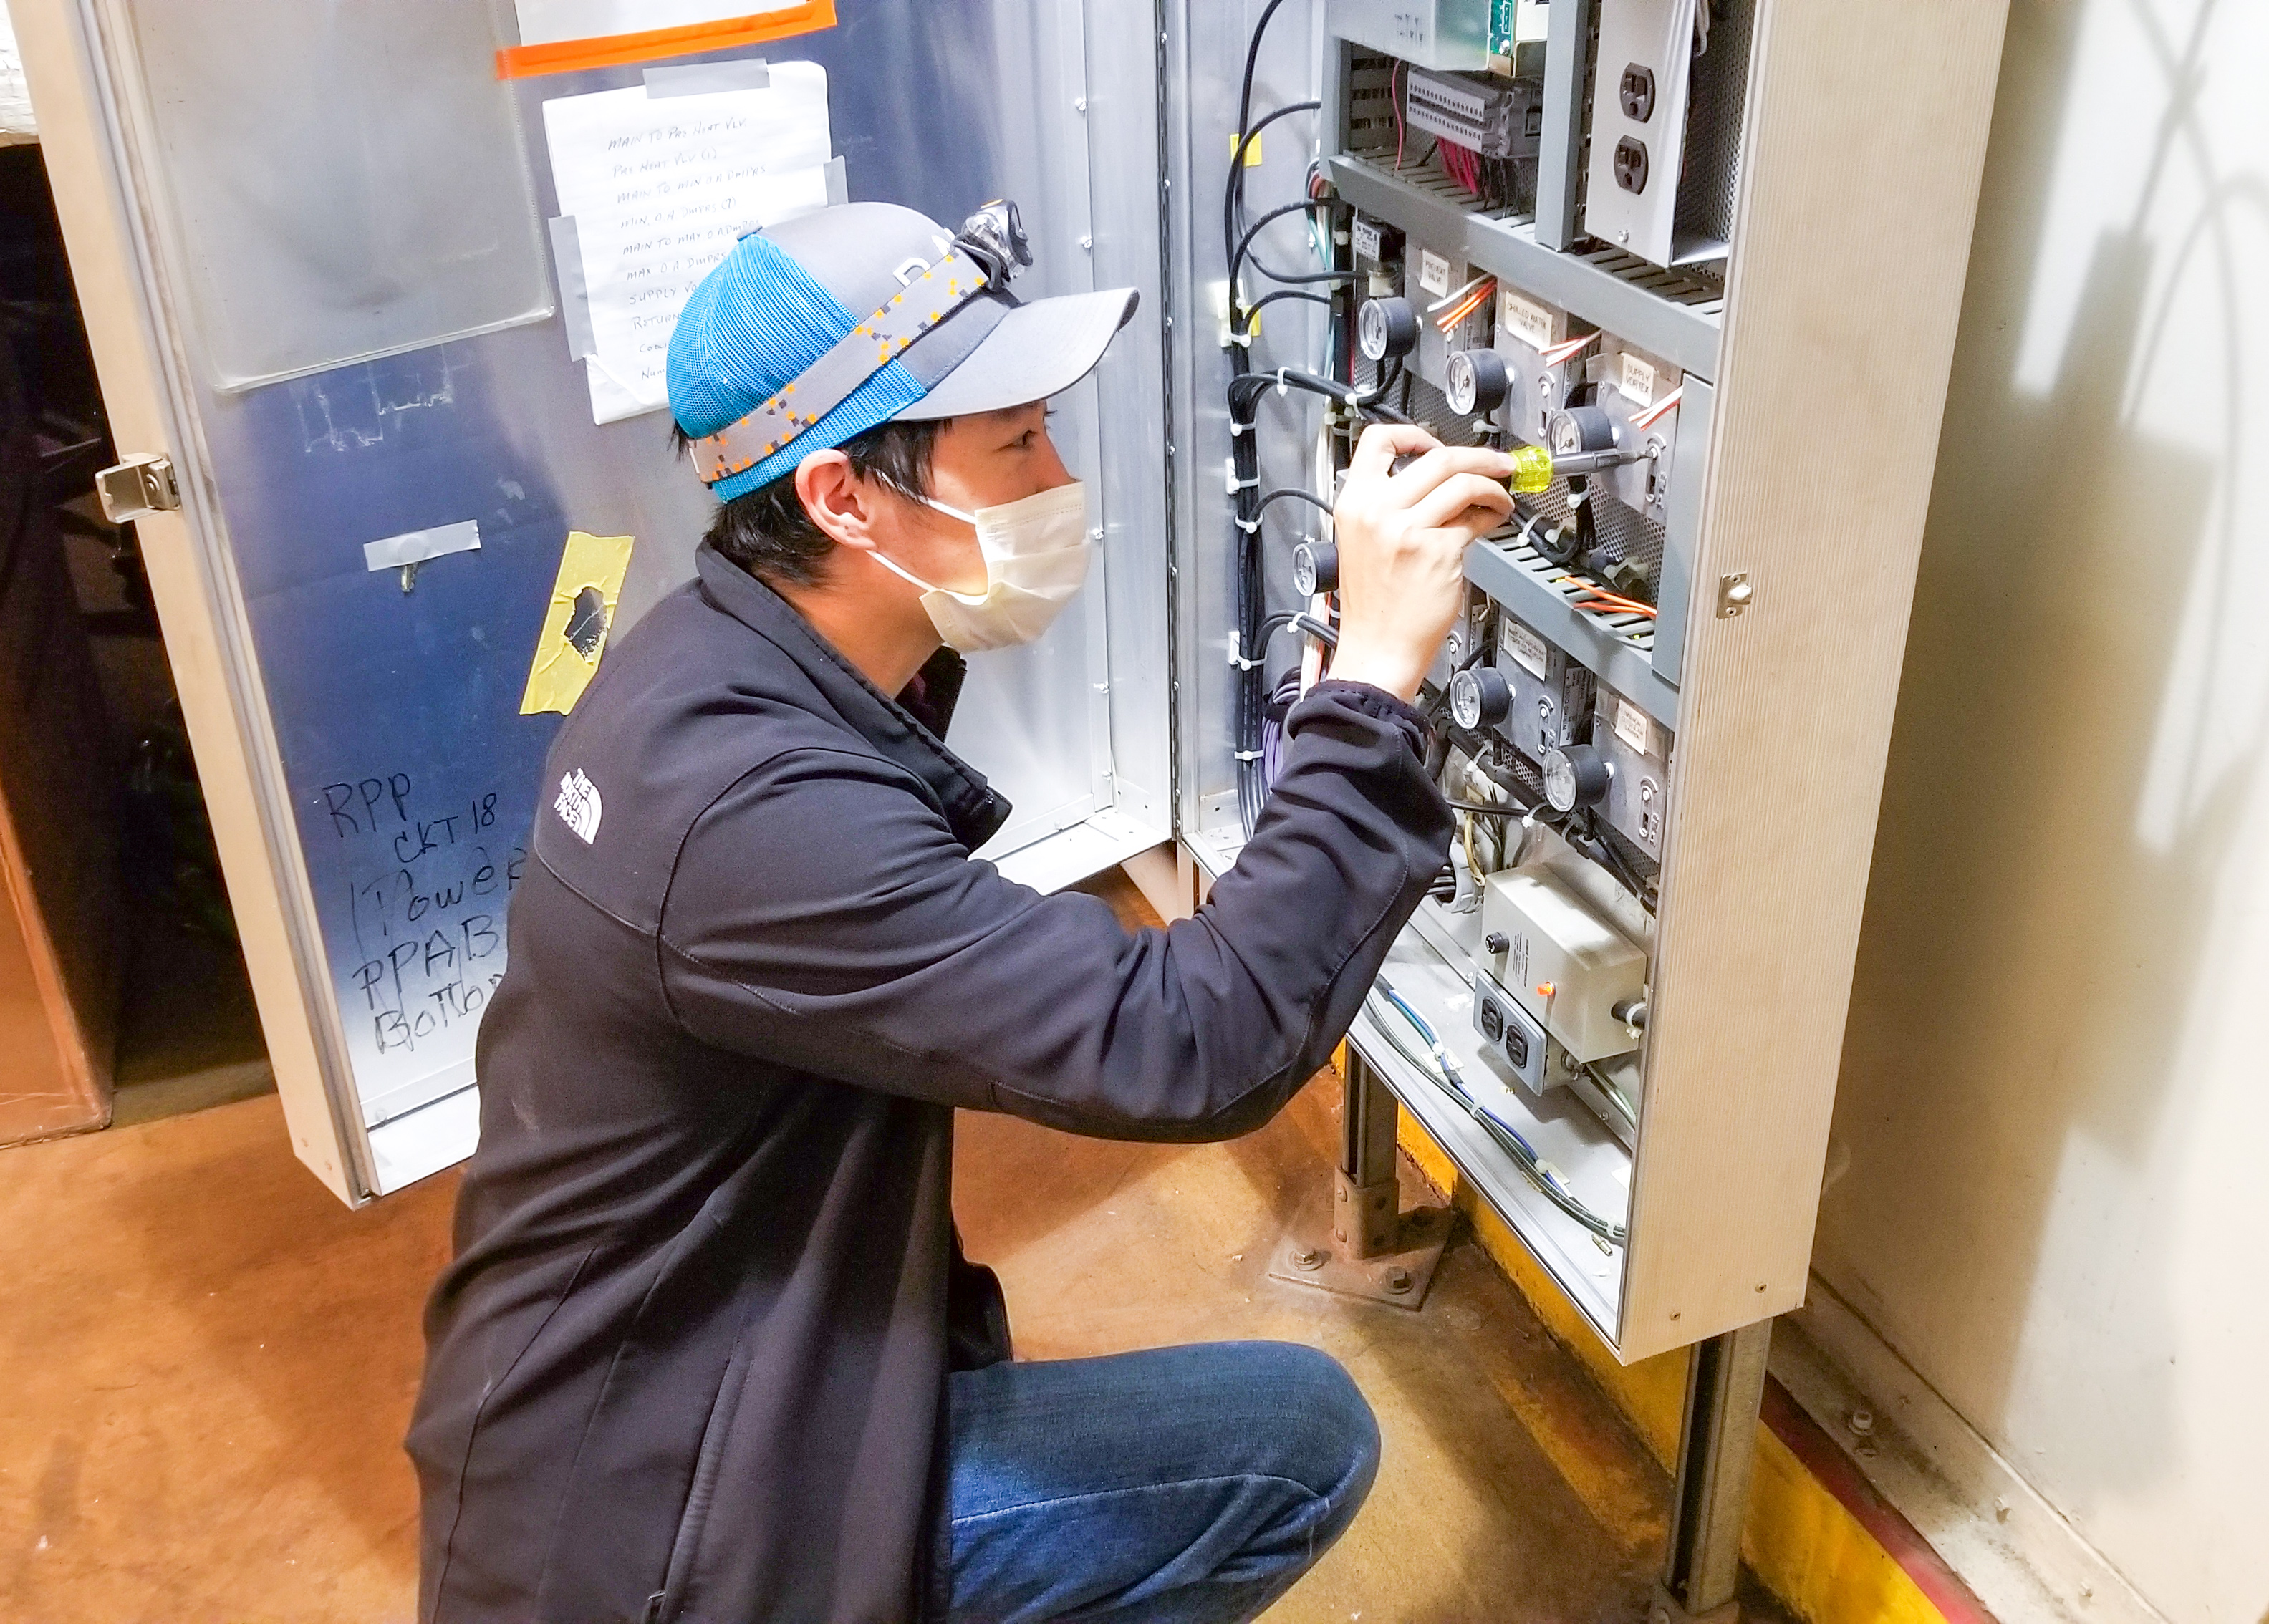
x: 1237, y: 428
x: 1248, y: 525
x: 1244, y: 755
x: 1281, y: 384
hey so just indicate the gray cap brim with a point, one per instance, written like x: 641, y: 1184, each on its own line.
x: 1036, y: 351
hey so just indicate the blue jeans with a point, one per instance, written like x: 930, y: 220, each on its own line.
x: 1178, y: 1485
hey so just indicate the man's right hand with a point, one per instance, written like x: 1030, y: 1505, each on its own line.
x: 1401, y: 539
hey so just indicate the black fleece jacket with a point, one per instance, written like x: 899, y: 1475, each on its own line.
x: 687, y: 1363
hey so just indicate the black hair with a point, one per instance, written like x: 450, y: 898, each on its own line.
x: 767, y: 532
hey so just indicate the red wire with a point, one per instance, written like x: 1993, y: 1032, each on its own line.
x: 1394, y: 102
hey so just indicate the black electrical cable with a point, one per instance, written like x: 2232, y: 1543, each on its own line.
x: 1253, y: 385
x: 1293, y: 493
x: 1244, y: 252
x: 1244, y: 96
x: 1233, y: 198
x: 1602, y: 850
x: 1255, y: 308
x: 1245, y: 582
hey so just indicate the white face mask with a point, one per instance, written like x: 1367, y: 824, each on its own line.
x: 1036, y: 553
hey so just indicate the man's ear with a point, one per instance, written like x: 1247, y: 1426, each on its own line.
x: 838, y: 500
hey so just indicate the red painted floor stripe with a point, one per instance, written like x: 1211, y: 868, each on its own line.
x: 1826, y: 1460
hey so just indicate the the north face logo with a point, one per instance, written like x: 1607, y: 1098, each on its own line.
x: 577, y: 806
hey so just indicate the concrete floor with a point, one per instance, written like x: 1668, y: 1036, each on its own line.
x: 209, y: 1363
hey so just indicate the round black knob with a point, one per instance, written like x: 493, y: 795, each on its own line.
x: 1575, y: 775
x: 1315, y: 568
x: 1480, y: 698
x: 1385, y: 327
x: 1580, y: 428
x: 1478, y: 381
x: 1496, y: 941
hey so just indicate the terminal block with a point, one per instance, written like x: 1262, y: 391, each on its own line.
x: 1493, y: 117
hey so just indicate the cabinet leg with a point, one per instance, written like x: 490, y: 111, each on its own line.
x: 1724, y: 1388
x: 1361, y: 1244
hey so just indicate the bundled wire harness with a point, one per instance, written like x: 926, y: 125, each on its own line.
x: 1390, y: 1010
x: 1247, y: 385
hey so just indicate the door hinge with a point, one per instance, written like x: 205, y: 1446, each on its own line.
x: 138, y: 487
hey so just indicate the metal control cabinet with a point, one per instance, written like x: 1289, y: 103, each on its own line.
x: 1841, y: 142
x: 1814, y: 181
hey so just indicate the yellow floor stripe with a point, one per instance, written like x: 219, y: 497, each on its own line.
x: 1799, y: 1540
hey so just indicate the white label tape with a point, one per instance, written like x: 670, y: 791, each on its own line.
x: 1526, y: 648
x: 1633, y: 727
x: 1531, y: 323
x: 1636, y: 380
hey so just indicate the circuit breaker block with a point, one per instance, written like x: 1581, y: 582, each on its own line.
x: 1561, y: 962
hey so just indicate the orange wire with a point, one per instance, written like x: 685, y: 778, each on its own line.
x: 1618, y: 607
x: 1601, y: 598
x: 1480, y: 297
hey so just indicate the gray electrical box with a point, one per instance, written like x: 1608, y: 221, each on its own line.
x: 1638, y: 124
x: 1571, y: 970
x: 1450, y: 35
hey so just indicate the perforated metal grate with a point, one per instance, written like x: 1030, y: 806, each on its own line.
x: 1716, y: 94
x: 1370, y: 104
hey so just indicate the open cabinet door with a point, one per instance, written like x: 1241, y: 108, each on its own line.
x: 318, y: 255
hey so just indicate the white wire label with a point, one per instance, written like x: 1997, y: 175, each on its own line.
x: 1636, y: 380
x: 1526, y: 648
x: 1433, y: 272
x: 1531, y: 323
x: 1633, y: 727
x: 1366, y: 239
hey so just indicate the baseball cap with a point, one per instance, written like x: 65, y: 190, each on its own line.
x: 788, y: 293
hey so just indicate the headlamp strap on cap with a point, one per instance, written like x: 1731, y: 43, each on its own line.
x: 990, y: 251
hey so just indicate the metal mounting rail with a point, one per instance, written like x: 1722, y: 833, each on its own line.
x: 1617, y: 648
x: 1674, y: 315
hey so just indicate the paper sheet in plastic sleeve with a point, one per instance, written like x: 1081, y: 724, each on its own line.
x: 659, y: 187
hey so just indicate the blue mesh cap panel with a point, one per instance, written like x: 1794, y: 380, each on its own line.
x: 755, y: 324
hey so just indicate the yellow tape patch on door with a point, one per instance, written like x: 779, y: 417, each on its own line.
x: 575, y: 628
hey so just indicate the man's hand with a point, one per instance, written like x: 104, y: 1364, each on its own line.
x: 1402, y: 540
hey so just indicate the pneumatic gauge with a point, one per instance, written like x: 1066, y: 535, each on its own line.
x: 1478, y: 381
x: 1315, y: 568
x: 1580, y: 428
x: 1480, y: 698
x: 1575, y: 775
x: 1386, y: 328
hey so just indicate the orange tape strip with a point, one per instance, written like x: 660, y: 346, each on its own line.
x: 614, y: 50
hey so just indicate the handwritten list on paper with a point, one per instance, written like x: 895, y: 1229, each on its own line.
x: 658, y: 188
